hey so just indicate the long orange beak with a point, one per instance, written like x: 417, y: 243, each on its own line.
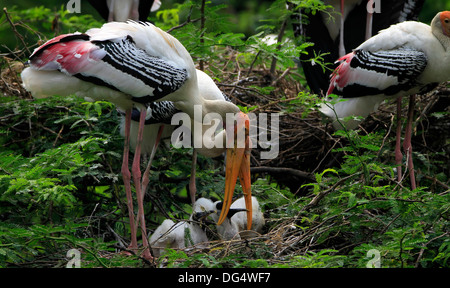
x: 238, y: 164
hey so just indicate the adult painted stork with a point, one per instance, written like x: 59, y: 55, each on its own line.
x: 158, y: 125
x: 123, y: 10
x: 131, y: 64
x: 354, y: 18
x: 405, y: 59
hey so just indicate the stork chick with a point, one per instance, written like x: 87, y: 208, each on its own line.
x: 184, y: 233
x: 235, y: 226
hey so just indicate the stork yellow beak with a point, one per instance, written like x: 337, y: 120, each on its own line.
x: 238, y: 164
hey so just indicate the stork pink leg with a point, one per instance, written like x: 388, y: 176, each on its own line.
x: 136, y: 171
x: 134, y: 13
x: 369, y: 21
x: 398, y: 137
x: 407, y: 146
x: 126, y: 175
x: 192, y: 186
x: 341, y: 36
x: 111, y: 12
x: 145, y: 177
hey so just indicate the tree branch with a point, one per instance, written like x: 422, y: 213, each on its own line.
x: 279, y: 170
x: 188, y: 20
x: 13, y: 27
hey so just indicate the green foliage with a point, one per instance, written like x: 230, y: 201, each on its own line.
x: 39, y: 180
x: 39, y: 18
x: 60, y: 162
x: 407, y: 227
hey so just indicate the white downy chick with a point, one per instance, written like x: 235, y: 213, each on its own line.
x: 184, y: 233
x: 235, y: 225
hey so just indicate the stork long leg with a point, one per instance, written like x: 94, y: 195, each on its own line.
x: 192, y: 186
x: 341, y: 36
x: 126, y: 175
x: 136, y: 171
x: 145, y: 176
x: 111, y: 12
x: 369, y: 21
x: 407, y: 146
x: 134, y: 13
x: 398, y: 150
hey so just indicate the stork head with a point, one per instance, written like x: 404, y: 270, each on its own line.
x: 445, y: 22
x: 201, y: 216
x: 238, y: 164
x: 202, y: 209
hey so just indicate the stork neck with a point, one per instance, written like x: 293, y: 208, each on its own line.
x: 212, y: 147
x: 436, y: 29
x: 220, y: 107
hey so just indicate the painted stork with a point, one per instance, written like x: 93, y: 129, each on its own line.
x: 358, y: 24
x: 183, y: 234
x: 405, y: 59
x: 158, y: 125
x: 234, y: 227
x: 123, y: 10
x: 132, y: 64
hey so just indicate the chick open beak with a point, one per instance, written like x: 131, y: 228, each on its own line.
x: 238, y: 164
x: 201, y: 216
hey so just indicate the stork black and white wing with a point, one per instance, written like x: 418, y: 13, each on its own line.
x: 119, y: 65
x: 365, y: 73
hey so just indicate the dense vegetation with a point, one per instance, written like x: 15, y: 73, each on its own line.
x: 331, y: 199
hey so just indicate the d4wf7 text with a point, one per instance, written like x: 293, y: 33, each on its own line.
x: 245, y: 277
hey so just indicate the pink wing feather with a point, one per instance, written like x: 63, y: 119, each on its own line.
x: 69, y: 53
x: 341, y: 74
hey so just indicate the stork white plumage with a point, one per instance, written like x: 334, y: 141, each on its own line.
x: 343, y: 27
x: 131, y: 64
x: 234, y: 227
x: 405, y: 59
x: 183, y: 234
x: 228, y: 229
x: 240, y: 219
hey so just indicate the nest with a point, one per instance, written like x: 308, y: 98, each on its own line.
x: 276, y: 247
x: 11, y: 84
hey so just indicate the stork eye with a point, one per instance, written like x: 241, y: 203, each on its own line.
x: 446, y: 20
